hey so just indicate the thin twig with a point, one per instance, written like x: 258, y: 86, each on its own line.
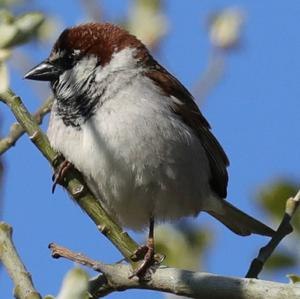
x: 58, y: 251
x: 73, y: 180
x: 100, y: 283
x: 24, y: 288
x: 177, y: 281
x: 283, y: 230
x: 16, y: 131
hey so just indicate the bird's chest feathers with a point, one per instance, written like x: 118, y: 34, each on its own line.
x: 129, y: 139
x: 114, y: 134
x: 118, y: 140
x: 134, y: 149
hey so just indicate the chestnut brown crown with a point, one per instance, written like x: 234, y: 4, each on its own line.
x: 101, y: 40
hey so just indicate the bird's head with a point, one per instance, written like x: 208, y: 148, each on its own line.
x: 84, y: 48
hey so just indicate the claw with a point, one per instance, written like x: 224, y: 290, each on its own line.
x: 139, y: 253
x: 60, y: 173
x: 147, y: 254
x: 148, y: 261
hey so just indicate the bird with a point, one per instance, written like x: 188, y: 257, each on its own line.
x: 136, y: 134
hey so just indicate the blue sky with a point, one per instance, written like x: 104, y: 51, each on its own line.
x: 254, y: 112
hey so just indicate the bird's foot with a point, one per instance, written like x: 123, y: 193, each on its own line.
x: 140, y: 253
x: 145, y: 253
x: 149, y: 259
x: 60, y: 173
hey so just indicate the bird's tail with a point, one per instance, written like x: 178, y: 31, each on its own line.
x: 238, y: 221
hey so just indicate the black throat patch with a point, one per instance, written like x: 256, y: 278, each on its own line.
x: 76, y: 105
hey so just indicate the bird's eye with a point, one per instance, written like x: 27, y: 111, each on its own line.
x: 69, y: 59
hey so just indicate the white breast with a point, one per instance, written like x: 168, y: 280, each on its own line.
x: 137, y: 156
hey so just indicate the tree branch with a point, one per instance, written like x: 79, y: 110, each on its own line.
x: 24, y: 288
x: 180, y: 282
x: 16, y: 130
x: 73, y: 180
x: 284, y: 229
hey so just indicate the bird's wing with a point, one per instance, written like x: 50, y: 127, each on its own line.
x: 186, y: 108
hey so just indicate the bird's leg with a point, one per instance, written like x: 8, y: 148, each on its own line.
x: 59, y: 173
x: 146, y: 253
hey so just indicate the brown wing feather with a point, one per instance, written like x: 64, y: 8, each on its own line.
x: 191, y: 115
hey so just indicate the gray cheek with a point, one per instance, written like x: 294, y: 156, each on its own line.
x: 66, y: 86
x: 76, y: 101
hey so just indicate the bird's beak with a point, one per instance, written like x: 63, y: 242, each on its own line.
x: 45, y: 71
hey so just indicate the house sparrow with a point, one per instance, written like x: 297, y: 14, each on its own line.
x: 135, y: 133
